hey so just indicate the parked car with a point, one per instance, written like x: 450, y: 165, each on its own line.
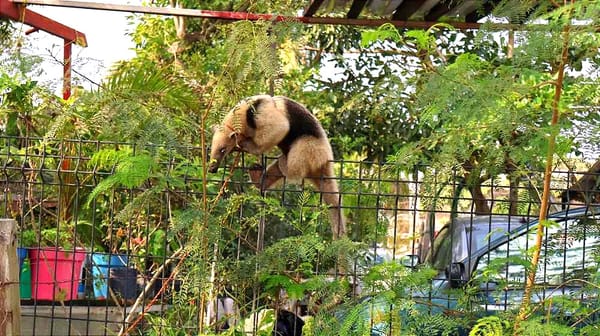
x: 491, y: 255
x: 453, y: 242
x: 568, y: 263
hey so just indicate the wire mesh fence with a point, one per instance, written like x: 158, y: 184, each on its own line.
x: 119, y: 238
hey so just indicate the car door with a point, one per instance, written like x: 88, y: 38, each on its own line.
x: 566, y: 272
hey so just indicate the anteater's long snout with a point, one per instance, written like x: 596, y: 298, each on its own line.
x: 213, y: 167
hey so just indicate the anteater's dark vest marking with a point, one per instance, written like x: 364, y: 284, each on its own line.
x: 251, y: 112
x: 302, y: 123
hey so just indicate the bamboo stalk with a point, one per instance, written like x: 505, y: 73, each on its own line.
x: 558, y: 85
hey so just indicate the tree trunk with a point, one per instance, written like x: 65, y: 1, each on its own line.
x: 481, y: 205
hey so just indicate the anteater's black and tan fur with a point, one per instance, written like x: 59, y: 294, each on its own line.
x: 260, y: 123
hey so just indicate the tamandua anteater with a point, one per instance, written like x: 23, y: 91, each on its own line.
x: 260, y: 123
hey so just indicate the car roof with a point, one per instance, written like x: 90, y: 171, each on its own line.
x: 485, y: 220
x: 568, y: 213
x: 489, y: 219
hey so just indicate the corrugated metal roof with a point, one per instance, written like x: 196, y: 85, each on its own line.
x: 403, y: 10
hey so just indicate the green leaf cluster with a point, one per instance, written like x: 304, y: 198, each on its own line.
x: 129, y: 171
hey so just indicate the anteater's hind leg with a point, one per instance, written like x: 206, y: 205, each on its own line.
x: 326, y: 185
x: 311, y: 159
x: 264, y: 180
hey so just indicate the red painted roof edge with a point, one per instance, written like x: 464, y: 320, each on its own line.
x: 19, y: 13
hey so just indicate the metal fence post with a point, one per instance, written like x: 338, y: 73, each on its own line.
x: 10, y: 304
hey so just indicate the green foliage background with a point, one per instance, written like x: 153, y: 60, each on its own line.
x: 439, y: 102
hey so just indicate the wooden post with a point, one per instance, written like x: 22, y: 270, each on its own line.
x: 10, y: 304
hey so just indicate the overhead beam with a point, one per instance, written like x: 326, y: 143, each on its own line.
x: 236, y: 16
x: 312, y: 9
x: 424, y: 9
x: 13, y: 11
x: 439, y: 10
x: 480, y: 12
x: 356, y: 8
x: 406, y: 9
x: 462, y: 9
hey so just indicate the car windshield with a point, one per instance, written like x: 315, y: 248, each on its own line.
x: 468, y: 235
x: 570, y: 251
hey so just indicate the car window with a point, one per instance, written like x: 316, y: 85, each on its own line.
x: 475, y: 236
x: 481, y: 235
x: 570, y: 251
x: 466, y: 238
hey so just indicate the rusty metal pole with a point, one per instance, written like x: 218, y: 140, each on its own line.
x: 67, y: 70
x: 10, y: 304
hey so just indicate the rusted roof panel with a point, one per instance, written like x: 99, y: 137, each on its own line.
x: 404, y: 10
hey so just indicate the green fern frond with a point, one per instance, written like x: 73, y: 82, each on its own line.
x: 432, y: 324
x: 101, y: 188
x: 538, y: 326
x: 304, y: 198
x: 149, y: 83
x: 109, y: 158
x: 133, y: 171
x: 129, y: 171
x: 490, y: 326
x: 137, y: 204
x: 515, y: 10
x: 355, y: 322
x: 252, y: 60
x: 187, y: 219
